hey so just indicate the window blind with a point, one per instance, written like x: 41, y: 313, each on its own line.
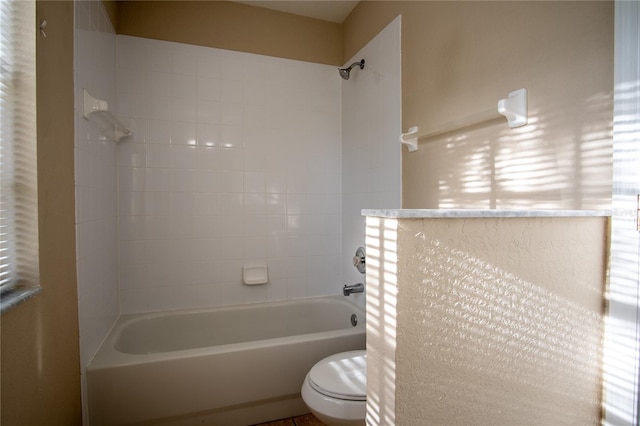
x: 18, y: 178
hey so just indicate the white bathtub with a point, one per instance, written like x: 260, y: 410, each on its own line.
x: 227, y: 366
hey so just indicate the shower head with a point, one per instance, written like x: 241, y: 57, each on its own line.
x: 344, y: 72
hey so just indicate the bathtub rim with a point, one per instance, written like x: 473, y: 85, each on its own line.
x: 108, y: 357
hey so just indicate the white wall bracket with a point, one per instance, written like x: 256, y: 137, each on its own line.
x: 410, y: 139
x: 514, y: 108
x: 94, y: 106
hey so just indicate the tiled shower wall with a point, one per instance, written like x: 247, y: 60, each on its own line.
x: 96, y: 182
x: 235, y: 159
x: 371, y: 152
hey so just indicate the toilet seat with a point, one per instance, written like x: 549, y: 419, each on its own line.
x: 342, y: 376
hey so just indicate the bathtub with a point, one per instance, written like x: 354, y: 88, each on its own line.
x: 236, y: 365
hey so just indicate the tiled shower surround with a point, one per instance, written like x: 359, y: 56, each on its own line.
x: 235, y: 159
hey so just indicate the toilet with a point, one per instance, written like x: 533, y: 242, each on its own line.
x: 335, y: 389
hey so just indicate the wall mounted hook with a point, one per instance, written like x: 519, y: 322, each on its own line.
x: 42, y: 26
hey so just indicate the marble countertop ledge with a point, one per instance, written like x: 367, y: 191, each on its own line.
x: 473, y: 213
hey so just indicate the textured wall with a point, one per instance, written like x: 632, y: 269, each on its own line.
x: 499, y: 321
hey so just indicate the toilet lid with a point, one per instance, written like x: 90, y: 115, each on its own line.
x: 342, y: 376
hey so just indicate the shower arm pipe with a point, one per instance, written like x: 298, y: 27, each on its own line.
x: 514, y: 108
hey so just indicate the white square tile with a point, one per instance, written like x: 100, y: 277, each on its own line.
x: 133, y: 301
x: 130, y: 81
x: 254, y: 203
x: 254, y: 226
x: 231, y: 65
x: 159, y: 299
x: 231, y: 204
x: 276, y: 225
x: 158, y: 107
x: 231, y: 181
x: 131, y: 203
x: 157, y: 203
x: 208, y: 135
x: 233, y: 226
x: 183, y: 133
x: 132, y: 179
x: 131, y: 105
x: 209, y: 89
x: 209, y: 64
x: 183, y: 110
x: 276, y: 246
x: 276, y: 183
x: 158, y: 132
x: 158, y: 179
x: 208, y: 111
x: 231, y: 92
x: 132, y: 155
x: 131, y: 251
x: 276, y: 204
x: 183, y: 86
x: 233, y: 248
x: 155, y: 228
x: 133, y: 276
x: 183, y: 60
x: 208, y: 157
x: 183, y: 180
x: 158, y: 155
x: 231, y: 159
x: 254, y: 158
x: 207, y: 181
x: 254, y: 182
x: 131, y: 52
x: 130, y: 228
x: 296, y: 224
x: 276, y: 289
x: 231, y: 136
x: 182, y: 204
x: 231, y: 270
x: 161, y: 274
x: 158, y: 84
x: 158, y: 57
x: 231, y: 114
x: 182, y: 228
x: 203, y: 207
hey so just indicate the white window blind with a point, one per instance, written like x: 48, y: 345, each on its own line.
x: 18, y: 179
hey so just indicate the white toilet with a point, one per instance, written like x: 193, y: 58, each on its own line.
x: 335, y: 389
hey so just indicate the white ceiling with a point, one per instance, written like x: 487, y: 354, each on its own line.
x: 327, y: 10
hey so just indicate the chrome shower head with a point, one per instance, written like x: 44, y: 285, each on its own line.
x: 344, y: 72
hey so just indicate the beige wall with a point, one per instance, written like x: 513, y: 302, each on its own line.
x: 460, y: 58
x: 40, y: 358
x: 233, y: 26
x: 493, y: 321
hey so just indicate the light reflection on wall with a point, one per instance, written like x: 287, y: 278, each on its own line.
x: 546, y: 164
x: 489, y: 331
x: 382, y: 258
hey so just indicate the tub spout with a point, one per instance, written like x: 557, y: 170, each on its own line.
x: 356, y: 288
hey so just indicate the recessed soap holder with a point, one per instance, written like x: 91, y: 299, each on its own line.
x: 255, y: 274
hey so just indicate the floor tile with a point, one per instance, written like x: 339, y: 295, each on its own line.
x: 307, y: 420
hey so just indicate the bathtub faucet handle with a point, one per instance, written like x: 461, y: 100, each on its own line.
x: 355, y: 288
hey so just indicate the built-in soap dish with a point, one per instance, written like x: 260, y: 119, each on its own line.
x: 255, y: 274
